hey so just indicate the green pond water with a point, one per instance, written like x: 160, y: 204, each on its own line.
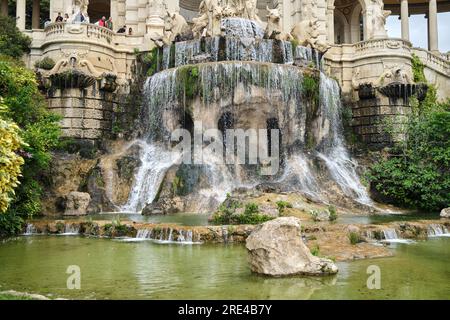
x: 111, y: 269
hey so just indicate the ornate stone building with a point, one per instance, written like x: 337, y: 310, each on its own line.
x: 359, y: 53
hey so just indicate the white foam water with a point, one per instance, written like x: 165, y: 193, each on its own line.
x: 437, y: 230
x: 156, y: 160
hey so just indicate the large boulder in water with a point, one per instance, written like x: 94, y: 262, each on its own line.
x: 445, y: 213
x: 276, y: 248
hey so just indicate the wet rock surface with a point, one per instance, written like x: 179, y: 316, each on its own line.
x: 77, y: 203
x: 276, y: 248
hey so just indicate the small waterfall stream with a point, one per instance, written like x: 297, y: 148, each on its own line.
x: 30, y: 230
x: 437, y: 230
x: 71, y: 229
x: 155, y: 162
x: 166, y: 236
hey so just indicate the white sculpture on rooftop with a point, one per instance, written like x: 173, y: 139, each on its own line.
x: 377, y: 15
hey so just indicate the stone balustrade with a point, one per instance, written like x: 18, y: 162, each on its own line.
x: 375, y: 46
x: 78, y: 32
x: 439, y: 63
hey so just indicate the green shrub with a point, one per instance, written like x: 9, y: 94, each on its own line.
x: 417, y: 172
x: 315, y: 251
x: 10, y: 224
x: 13, y: 42
x: 40, y: 130
x: 354, y: 237
x: 282, y: 205
x: 227, y: 214
x: 417, y: 68
x: 47, y: 63
x: 333, y: 212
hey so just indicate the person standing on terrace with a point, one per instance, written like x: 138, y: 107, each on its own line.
x: 59, y: 18
x: 109, y: 23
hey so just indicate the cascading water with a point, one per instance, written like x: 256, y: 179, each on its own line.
x: 165, y: 236
x: 237, y: 80
x: 71, y: 229
x: 437, y: 230
x: 155, y: 162
x: 390, y: 236
x: 30, y: 230
x: 335, y: 155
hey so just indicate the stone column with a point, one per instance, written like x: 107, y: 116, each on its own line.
x: 330, y: 24
x: 404, y: 16
x: 20, y: 14
x: 35, y: 17
x: 432, y: 26
x: 4, y: 7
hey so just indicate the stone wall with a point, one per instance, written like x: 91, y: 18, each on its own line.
x: 378, y: 121
x: 87, y: 113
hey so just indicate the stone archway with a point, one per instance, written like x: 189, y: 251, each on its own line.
x: 357, y: 24
x: 341, y: 28
x: 345, y: 16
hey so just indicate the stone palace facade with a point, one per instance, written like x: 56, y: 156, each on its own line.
x: 374, y: 71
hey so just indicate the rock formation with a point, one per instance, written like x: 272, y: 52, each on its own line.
x: 77, y: 203
x: 276, y: 248
x: 445, y: 213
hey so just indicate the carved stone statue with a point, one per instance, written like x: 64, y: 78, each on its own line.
x: 306, y: 33
x: 394, y: 74
x: 250, y: 11
x: 377, y: 15
x: 156, y: 8
x: 175, y: 26
x: 274, y: 29
x: 208, y: 22
x: 79, y: 8
x: 83, y: 4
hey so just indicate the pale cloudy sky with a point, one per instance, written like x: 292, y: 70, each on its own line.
x: 418, y: 30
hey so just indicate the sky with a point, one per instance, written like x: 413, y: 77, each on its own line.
x: 418, y: 30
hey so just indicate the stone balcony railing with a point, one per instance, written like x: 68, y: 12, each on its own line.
x: 375, y: 46
x: 438, y: 62
x: 78, y: 32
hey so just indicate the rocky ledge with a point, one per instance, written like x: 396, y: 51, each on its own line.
x: 338, y: 242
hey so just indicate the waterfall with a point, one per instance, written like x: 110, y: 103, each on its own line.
x: 334, y: 154
x: 71, y: 229
x: 298, y: 168
x: 390, y: 236
x: 156, y: 161
x: 30, y: 230
x: 241, y: 28
x: 185, y: 52
x: 165, y: 236
x: 437, y: 230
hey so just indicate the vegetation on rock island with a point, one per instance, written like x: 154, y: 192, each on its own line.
x: 29, y: 131
x: 232, y: 211
x: 416, y: 171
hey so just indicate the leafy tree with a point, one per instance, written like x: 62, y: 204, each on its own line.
x: 40, y: 131
x: 13, y: 43
x: 416, y: 174
x: 10, y: 161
